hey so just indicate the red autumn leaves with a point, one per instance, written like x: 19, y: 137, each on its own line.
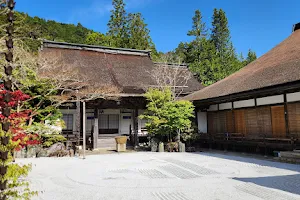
x: 18, y: 119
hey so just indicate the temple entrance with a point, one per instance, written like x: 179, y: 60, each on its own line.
x: 108, y: 124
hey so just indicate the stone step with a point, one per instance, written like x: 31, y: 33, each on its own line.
x: 108, y: 143
x: 290, y: 154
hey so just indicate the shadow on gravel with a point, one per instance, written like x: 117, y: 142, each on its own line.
x: 288, y: 183
x: 255, y: 161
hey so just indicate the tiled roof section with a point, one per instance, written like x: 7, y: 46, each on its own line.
x: 278, y: 66
x: 127, y: 69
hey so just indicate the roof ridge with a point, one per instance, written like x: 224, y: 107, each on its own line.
x: 76, y: 46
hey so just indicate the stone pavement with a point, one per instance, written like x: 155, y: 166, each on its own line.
x: 163, y: 176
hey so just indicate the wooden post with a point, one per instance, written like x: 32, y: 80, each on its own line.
x: 286, y: 116
x: 96, y: 129
x: 83, y: 129
x: 136, y: 128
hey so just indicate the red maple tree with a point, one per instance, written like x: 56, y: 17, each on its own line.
x: 17, y: 119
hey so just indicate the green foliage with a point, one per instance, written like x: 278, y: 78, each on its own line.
x: 166, y: 116
x: 49, y: 133
x: 250, y: 57
x: 211, y: 57
x: 199, y: 28
x: 18, y: 187
x: 95, y: 38
x: 48, y: 140
x: 139, y: 37
x: 117, y: 25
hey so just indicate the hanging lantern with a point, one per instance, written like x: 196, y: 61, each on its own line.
x: 8, y: 84
x: 11, y: 4
x: 3, y: 155
x: 6, y: 111
x: 10, y: 30
x: 9, y: 43
x: 3, y: 170
x: 9, y: 57
x: 10, y: 17
x: 3, y: 185
x: 4, y: 140
x: 5, y: 126
x: 7, y: 97
x: 8, y: 70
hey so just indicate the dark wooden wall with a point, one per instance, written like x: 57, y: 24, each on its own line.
x: 263, y: 121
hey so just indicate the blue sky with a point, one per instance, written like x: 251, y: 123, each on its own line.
x: 255, y: 24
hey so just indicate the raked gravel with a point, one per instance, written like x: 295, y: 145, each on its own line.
x: 163, y: 176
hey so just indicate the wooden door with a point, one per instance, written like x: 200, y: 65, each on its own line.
x: 278, y: 122
x: 294, y: 119
x: 229, y: 122
x: 239, y: 118
x: 251, y: 122
x: 264, y: 121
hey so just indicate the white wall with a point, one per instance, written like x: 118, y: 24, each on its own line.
x: 225, y: 106
x: 202, y: 121
x: 293, y: 97
x: 270, y: 100
x: 244, y: 103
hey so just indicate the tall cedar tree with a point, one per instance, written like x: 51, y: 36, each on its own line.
x: 220, y: 37
x: 199, y: 28
x: 250, y: 57
x: 139, y: 37
x: 117, y: 25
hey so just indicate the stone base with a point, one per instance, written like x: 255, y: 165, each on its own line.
x: 121, y: 147
x: 181, y: 147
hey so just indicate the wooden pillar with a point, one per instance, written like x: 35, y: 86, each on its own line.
x: 83, y: 130
x: 286, y: 116
x: 96, y: 129
x: 136, y: 127
x: 196, y: 119
x: 77, y: 118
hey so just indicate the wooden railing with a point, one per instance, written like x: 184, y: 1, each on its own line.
x: 234, y: 139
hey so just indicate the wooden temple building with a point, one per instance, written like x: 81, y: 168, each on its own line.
x: 126, y: 70
x: 258, y: 106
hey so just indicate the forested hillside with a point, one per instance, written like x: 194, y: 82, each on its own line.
x: 210, y: 55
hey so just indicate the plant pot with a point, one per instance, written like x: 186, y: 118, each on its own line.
x: 121, y: 139
x: 161, y: 147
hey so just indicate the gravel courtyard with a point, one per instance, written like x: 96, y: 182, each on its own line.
x: 163, y: 176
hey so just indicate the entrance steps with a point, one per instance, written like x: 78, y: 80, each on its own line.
x: 106, y: 143
x: 290, y: 156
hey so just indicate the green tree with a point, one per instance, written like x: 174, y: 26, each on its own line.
x: 251, y: 56
x: 96, y: 38
x: 220, y: 37
x: 165, y: 115
x: 199, y: 28
x: 138, y: 32
x: 118, y: 24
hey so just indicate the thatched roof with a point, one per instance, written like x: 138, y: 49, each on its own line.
x: 279, y: 66
x: 127, y: 69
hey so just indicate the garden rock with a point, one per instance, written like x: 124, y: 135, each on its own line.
x: 58, y: 150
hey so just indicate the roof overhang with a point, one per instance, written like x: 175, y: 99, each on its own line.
x: 257, y: 93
